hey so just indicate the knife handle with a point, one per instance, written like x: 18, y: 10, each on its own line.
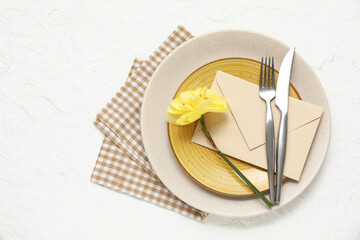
x: 281, y: 153
x: 270, y: 150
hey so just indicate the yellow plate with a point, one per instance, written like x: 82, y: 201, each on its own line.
x: 205, y: 166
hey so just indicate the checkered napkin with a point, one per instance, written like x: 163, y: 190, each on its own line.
x: 122, y: 164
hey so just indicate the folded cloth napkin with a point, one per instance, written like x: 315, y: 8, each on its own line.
x: 122, y: 164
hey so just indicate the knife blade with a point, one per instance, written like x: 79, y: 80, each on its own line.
x: 282, y: 86
x: 282, y: 102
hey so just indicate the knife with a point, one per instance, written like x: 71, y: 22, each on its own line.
x: 282, y: 102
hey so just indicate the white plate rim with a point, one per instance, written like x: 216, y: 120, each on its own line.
x: 148, y: 139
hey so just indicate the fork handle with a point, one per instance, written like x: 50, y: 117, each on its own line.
x: 270, y: 149
x: 281, y: 153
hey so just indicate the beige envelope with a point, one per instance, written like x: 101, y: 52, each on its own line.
x: 240, y: 133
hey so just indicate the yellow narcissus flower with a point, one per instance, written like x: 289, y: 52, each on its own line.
x: 192, y: 104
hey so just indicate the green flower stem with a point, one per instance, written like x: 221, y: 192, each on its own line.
x: 242, y: 176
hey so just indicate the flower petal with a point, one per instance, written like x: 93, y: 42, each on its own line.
x: 192, y: 104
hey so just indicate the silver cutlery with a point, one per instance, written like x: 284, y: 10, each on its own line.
x: 267, y: 93
x: 282, y: 102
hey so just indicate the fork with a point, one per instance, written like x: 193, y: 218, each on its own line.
x: 267, y: 93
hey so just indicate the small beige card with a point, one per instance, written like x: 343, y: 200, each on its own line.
x: 240, y: 133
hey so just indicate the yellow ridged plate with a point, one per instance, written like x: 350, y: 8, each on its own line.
x: 203, y: 165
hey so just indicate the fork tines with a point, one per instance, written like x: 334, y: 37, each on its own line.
x: 266, y: 76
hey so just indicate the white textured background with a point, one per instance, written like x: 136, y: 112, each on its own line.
x: 61, y: 61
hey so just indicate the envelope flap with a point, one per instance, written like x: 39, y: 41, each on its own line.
x: 248, y: 109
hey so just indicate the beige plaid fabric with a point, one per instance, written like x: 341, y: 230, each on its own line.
x: 122, y: 164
